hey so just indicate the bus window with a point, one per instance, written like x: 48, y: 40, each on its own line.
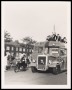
x: 36, y: 48
x: 65, y: 52
x: 46, y: 51
x: 40, y: 49
x: 54, y: 51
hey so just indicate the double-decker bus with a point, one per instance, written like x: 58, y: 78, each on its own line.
x: 49, y: 54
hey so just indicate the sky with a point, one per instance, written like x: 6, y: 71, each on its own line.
x: 34, y: 19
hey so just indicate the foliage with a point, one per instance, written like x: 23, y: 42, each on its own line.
x: 16, y: 41
x: 7, y: 36
x: 28, y: 40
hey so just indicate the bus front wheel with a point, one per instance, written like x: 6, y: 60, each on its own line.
x: 33, y: 69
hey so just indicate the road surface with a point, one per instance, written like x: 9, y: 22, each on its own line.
x: 38, y: 78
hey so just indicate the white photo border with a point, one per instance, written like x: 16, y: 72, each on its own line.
x: 39, y: 86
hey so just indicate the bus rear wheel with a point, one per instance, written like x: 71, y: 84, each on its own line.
x: 56, y: 70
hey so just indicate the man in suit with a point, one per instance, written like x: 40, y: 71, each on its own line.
x: 58, y: 37
x: 54, y: 37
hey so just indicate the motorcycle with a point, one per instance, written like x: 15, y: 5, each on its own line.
x: 20, y: 66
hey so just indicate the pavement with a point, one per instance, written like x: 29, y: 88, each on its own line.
x: 38, y: 78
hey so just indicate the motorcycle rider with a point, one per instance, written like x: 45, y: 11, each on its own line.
x: 23, y: 60
x: 21, y: 65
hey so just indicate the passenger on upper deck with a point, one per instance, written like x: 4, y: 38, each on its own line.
x: 51, y: 37
x: 58, y: 37
x: 64, y: 40
x: 48, y: 38
x: 55, y: 37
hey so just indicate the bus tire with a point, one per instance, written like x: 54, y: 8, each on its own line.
x: 56, y: 70
x: 33, y: 69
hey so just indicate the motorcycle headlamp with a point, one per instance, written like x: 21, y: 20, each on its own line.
x: 34, y: 61
x: 23, y: 60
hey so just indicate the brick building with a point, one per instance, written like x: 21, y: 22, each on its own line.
x: 16, y: 48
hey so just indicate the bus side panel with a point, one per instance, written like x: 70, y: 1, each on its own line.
x: 64, y: 63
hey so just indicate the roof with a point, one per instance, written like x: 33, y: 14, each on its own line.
x: 13, y: 43
x: 51, y: 43
x: 40, y: 43
x: 56, y: 43
x: 16, y: 44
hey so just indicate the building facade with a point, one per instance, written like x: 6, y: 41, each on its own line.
x: 17, y: 48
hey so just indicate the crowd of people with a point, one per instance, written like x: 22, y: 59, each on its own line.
x: 10, y: 59
x: 56, y: 37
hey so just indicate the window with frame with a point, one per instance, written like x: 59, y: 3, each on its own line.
x: 7, y: 48
x: 23, y: 49
x: 12, y: 48
x: 20, y: 49
x: 17, y: 54
x: 17, y: 49
x: 30, y: 50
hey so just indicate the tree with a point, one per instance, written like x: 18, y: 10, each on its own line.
x: 28, y: 40
x: 16, y: 41
x: 7, y: 36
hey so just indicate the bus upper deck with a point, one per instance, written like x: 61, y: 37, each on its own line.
x: 50, y: 47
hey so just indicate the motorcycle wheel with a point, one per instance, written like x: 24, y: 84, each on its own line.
x: 16, y: 69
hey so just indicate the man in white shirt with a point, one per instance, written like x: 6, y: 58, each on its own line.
x: 6, y: 61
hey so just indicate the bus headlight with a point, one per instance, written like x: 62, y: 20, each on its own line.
x: 50, y: 61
